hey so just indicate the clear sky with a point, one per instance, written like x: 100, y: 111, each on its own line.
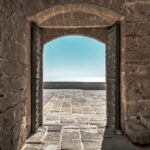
x: 74, y: 58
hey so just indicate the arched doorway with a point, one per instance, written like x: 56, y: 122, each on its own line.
x: 74, y: 58
x: 112, y: 72
x: 74, y: 91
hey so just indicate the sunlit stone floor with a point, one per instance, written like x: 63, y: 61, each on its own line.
x: 75, y: 120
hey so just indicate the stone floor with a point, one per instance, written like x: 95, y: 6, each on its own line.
x: 75, y: 120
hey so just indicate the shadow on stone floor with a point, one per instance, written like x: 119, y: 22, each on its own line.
x: 119, y: 142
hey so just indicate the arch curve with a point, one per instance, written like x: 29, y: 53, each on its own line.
x: 105, y: 14
x: 99, y: 34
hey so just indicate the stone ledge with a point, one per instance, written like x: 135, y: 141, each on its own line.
x: 75, y: 85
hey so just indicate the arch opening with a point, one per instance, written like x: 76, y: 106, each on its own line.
x: 75, y: 59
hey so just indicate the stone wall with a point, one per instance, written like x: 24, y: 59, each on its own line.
x: 15, y: 97
x: 136, y: 58
x: 135, y: 67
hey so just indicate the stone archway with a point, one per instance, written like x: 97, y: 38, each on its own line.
x: 112, y: 40
x: 96, y: 16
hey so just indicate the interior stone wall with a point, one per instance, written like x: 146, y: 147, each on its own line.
x: 136, y: 70
x: 15, y: 83
x: 136, y: 58
x: 15, y: 97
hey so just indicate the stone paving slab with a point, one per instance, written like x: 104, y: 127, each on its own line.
x: 54, y: 128
x: 69, y: 134
x: 71, y: 145
x: 90, y: 136
x: 33, y: 147
x: 52, y: 136
x: 91, y: 145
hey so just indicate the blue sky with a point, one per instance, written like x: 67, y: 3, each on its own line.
x: 74, y: 58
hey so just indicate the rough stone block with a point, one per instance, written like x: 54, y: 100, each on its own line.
x: 137, y: 133
x: 138, y: 10
x: 145, y: 118
x: 137, y: 29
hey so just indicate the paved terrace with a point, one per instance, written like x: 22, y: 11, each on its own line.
x: 75, y: 120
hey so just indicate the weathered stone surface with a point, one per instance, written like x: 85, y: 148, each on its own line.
x: 138, y: 29
x: 52, y: 136
x: 67, y: 120
x: 54, y: 128
x: 76, y: 19
x: 92, y: 145
x: 78, y: 135
x: 90, y: 136
x: 33, y: 147
x: 38, y: 137
x: 138, y: 10
x: 137, y: 133
x: 72, y: 145
x: 98, y: 33
x: 70, y: 134
x: 144, y: 119
x: 52, y: 145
